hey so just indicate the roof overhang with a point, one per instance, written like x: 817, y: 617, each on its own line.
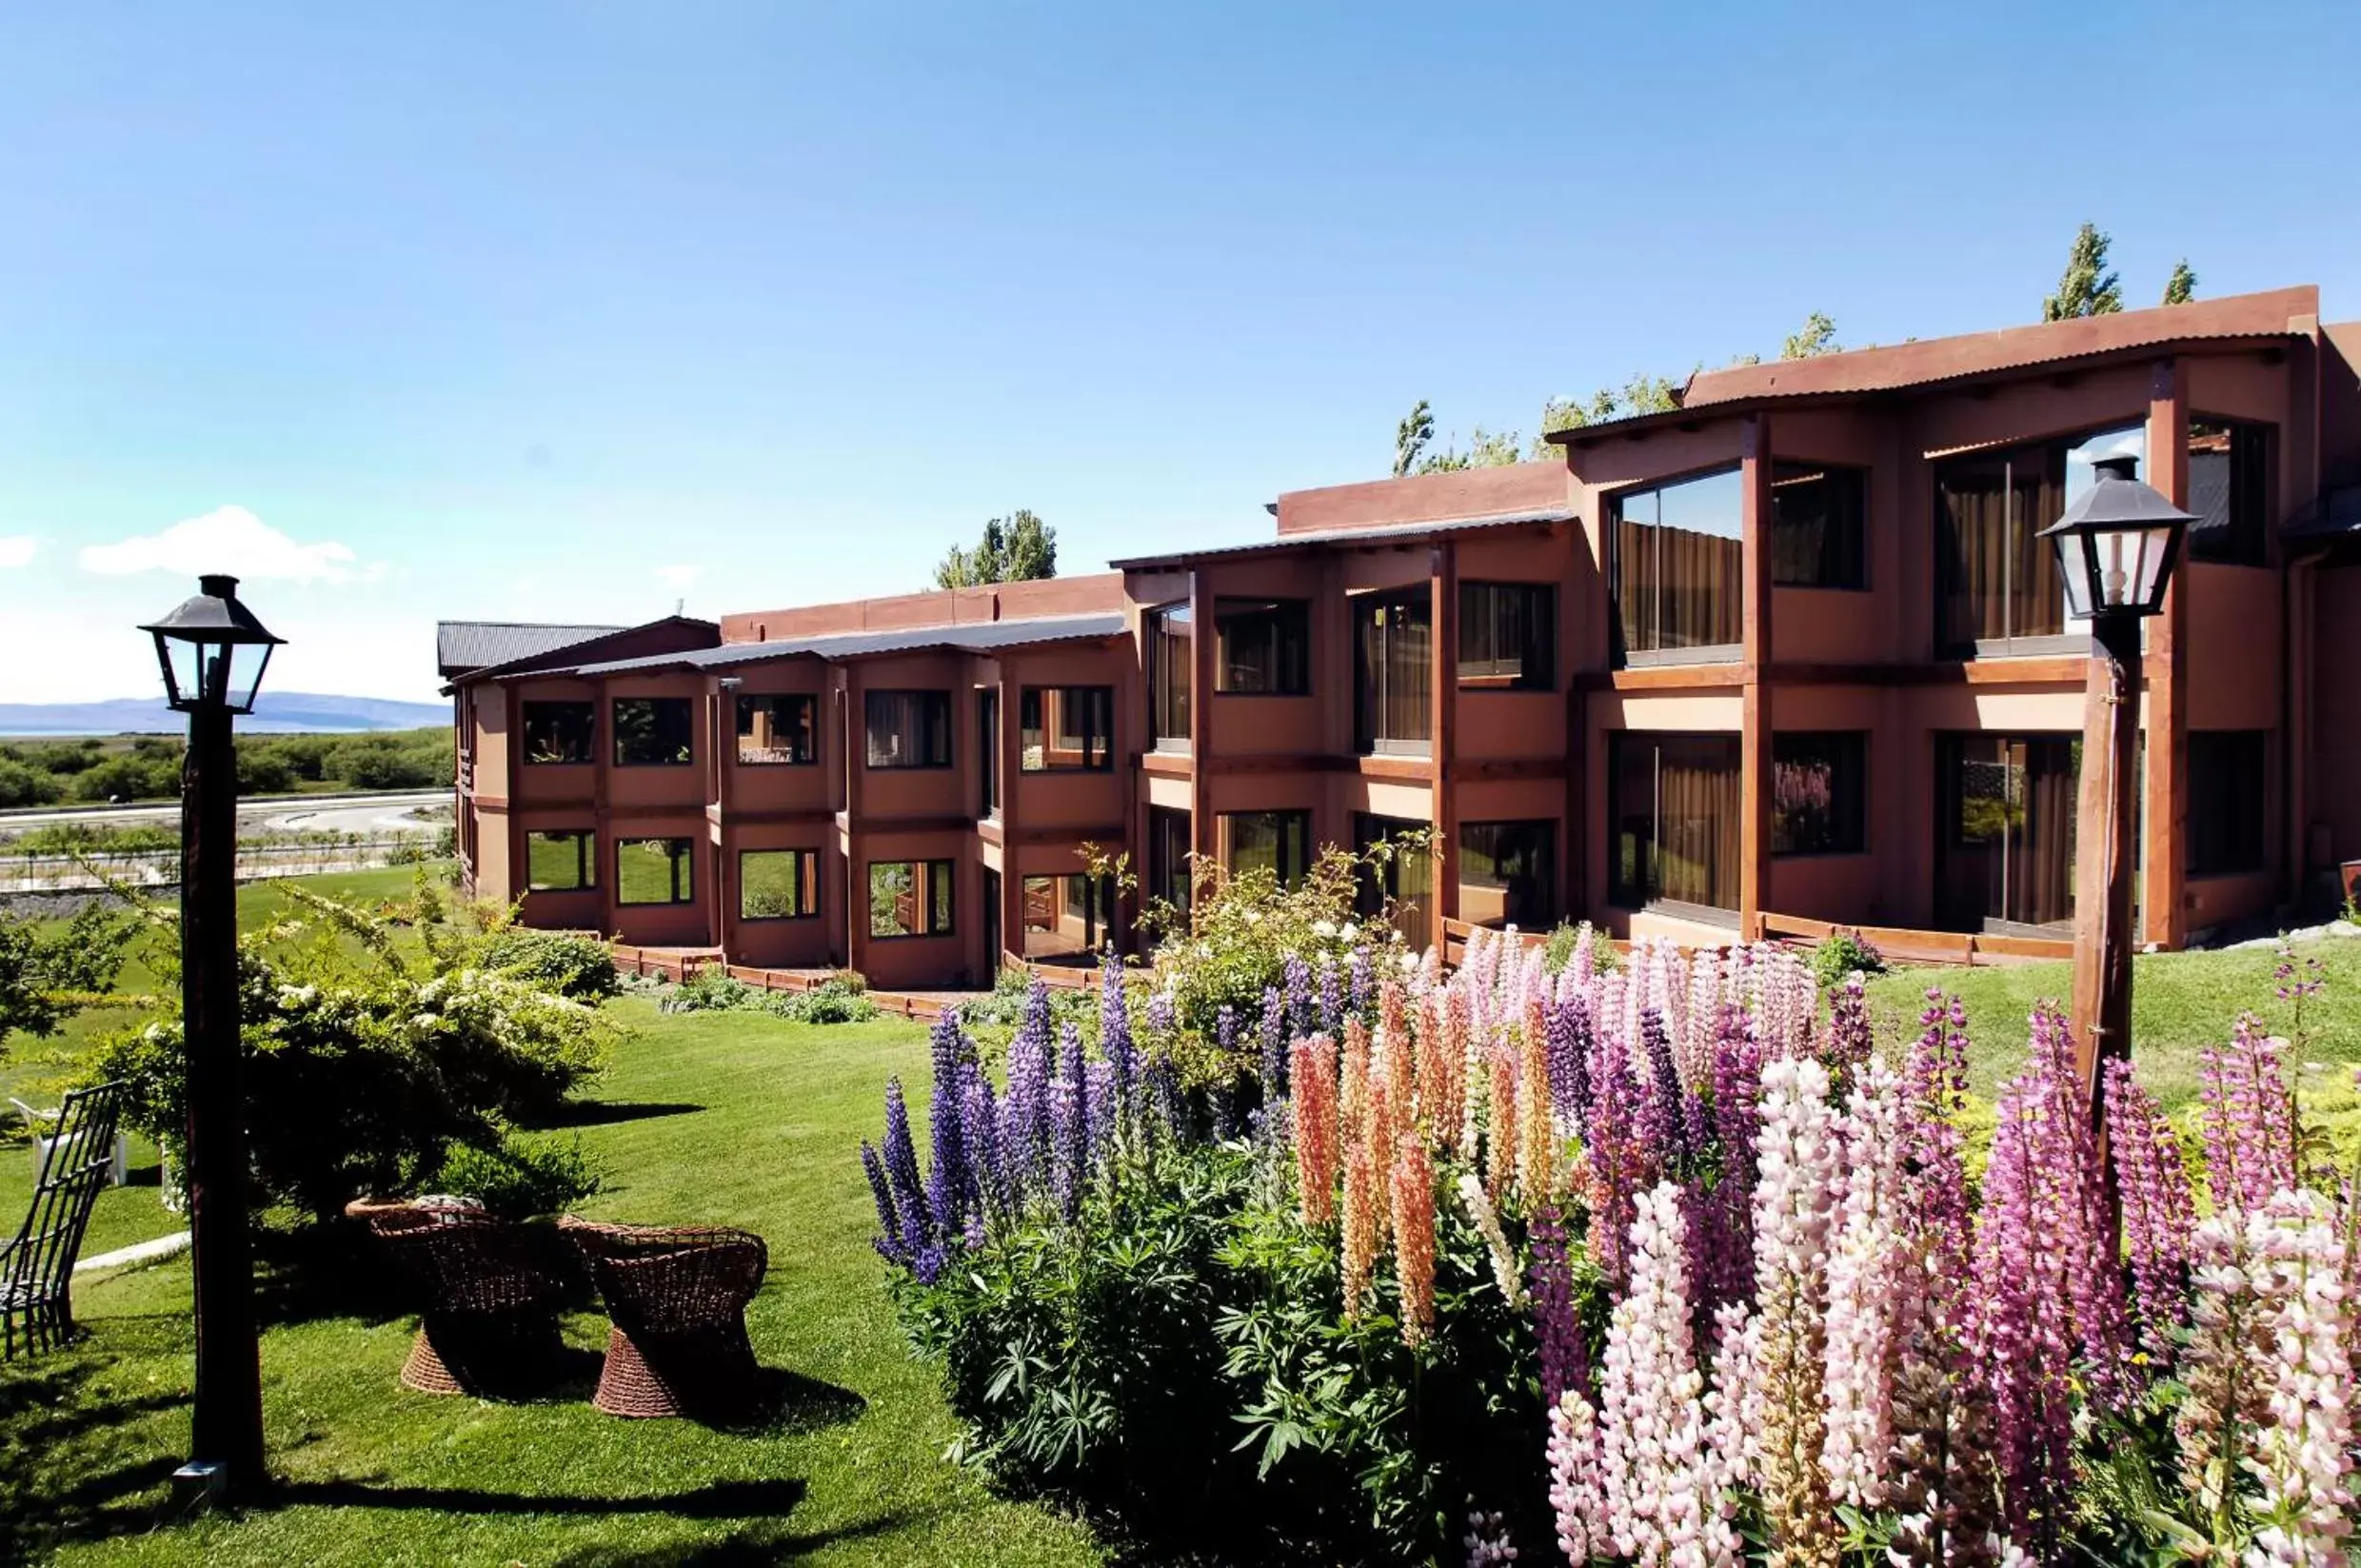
x: 1390, y: 536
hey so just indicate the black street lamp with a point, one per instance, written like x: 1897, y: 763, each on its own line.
x: 2116, y: 549
x: 213, y: 651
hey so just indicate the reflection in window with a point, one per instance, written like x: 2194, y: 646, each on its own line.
x: 2227, y: 798
x: 655, y: 871
x: 778, y: 883
x: 1508, y: 874
x: 561, y: 862
x: 1672, y: 811
x: 1508, y: 636
x: 559, y: 732
x: 1405, y: 877
x: 1263, y: 645
x: 1393, y: 670
x: 1169, y: 847
x: 1066, y: 915
x: 781, y: 727
x: 1067, y: 728
x: 2229, y: 492
x: 1277, y: 842
x: 1678, y: 566
x: 1996, y: 577
x: 1166, y: 631
x: 2005, y: 850
x: 1817, y: 537
x: 1818, y: 784
x: 652, y: 731
x: 910, y: 898
x: 989, y: 750
x: 908, y: 728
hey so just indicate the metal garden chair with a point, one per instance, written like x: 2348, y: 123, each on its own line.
x: 36, y: 1269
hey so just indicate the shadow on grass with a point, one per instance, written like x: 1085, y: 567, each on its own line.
x: 738, y: 1499
x: 785, y: 1401
x: 759, y: 1544
x: 91, y: 1509
x: 601, y: 1112
x: 339, y: 1270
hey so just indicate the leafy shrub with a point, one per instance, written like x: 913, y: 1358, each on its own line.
x: 46, y: 979
x: 1567, y: 937
x: 1842, y: 953
x: 571, y: 966
x: 128, y: 776
x: 522, y: 1176
x: 23, y: 785
x: 834, y: 1000
x: 710, y: 991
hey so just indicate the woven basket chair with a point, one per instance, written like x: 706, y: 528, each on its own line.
x: 677, y: 1300
x: 490, y: 1322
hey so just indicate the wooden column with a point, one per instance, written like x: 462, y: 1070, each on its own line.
x: 1577, y: 837
x: 1203, y: 842
x: 852, y: 745
x: 1442, y: 576
x: 1755, y: 706
x: 1012, y: 874
x: 2103, y: 849
x: 610, y: 852
x: 2165, y: 912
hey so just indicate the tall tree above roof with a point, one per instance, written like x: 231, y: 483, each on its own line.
x: 1016, y: 550
x: 2182, y: 286
x: 2089, y: 287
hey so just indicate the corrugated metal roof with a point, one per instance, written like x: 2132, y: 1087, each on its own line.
x: 1389, y: 533
x: 970, y: 637
x: 473, y: 644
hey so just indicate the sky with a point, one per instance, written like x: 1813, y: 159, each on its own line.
x: 578, y: 312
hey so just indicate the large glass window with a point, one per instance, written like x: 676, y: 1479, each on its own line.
x: 908, y: 728
x: 1264, y: 646
x: 1393, y: 672
x: 1405, y: 877
x: 653, y: 732
x: 1169, y: 847
x: 655, y: 871
x: 1508, y: 636
x: 1166, y: 631
x: 1277, y: 842
x: 1819, y: 785
x: 988, y: 749
x: 778, y: 883
x: 562, y: 861
x: 1818, y: 534
x: 1996, y: 579
x: 1066, y: 915
x: 2005, y: 850
x: 2229, y: 492
x: 910, y: 898
x: 1678, y: 577
x: 778, y: 728
x: 1673, y: 819
x: 1508, y: 874
x: 2227, y: 796
x: 1067, y: 728
x: 560, y: 732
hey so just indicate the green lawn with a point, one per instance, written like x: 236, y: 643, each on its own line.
x: 2181, y: 1003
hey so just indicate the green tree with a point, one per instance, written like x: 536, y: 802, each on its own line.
x: 1817, y: 337
x: 1016, y: 549
x: 44, y: 981
x: 2182, y: 286
x: 21, y: 783
x: 2089, y: 287
x: 1410, y: 439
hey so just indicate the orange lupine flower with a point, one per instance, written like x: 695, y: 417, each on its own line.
x: 1413, y: 1232
x: 1314, y: 1075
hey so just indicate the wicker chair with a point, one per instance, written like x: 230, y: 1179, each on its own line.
x: 490, y: 1322
x: 36, y: 1268
x: 678, y: 1302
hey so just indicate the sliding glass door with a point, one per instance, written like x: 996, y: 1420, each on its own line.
x: 1673, y: 820
x: 1393, y: 672
x: 2005, y: 850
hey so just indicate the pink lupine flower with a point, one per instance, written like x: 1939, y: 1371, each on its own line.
x: 1313, y: 1072
x: 2303, y: 1453
x: 1359, y: 1251
x: 2151, y: 1185
x: 1575, y: 1494
x: 2248, y: 1119
x: 1795, y: 1173
x: 1867, y: 1269
x: 1486, y: 1219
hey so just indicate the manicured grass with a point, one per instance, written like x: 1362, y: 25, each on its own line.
x: 729, y: 1118
x: 2181, y: 1003
x: 654, y: 871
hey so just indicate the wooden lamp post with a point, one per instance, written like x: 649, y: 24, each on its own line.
x: 213, y: 651
x: 2116, y: 549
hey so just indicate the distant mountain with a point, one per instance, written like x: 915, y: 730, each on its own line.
x: 275, y: 713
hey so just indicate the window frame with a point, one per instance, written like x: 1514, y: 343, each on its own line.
x: 585, y: 860
x: 1623, y: 654
x: 683, y: 871
x: 589, y: 736
x: 870, y: 695
x: 939, y: 911
x: 1545, y: 593
x: 1852, y: 813
x: 807, y: 884
x: 1099, y: 702
x: 988, y: 782
x: 1369, y: 701
x: 743, y: 709
x: 2258, y: 538
x: 1860, y: 475
x: 1282, y: 819
x: 1171, y: 680
x: 1552, y: 898
x: 1286, y: 614
x: 1171, y: 829
x: 687, y: 709
x: 1637, y: 895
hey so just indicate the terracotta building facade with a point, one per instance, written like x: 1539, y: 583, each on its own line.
x: 1789, y: 654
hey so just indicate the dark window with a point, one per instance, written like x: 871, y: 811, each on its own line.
x: 560, y: 732
x: 1996, y: 580
x: 1818, y: 534
x: 1818, y: 788
x: 1167, y: 634
x: 2004, y: 844
x: 1677, y: 575
x: 2226, y: 801
x: 1169, y: 847
x: 778, y: 883
x: 908, y: 728
x: 2229, y: 492
x: 779, y: 729
x: 1277, y: 842
x: 988, y: 748
x: 1067, y: 728
x: 655, y: 871
x: 560, y: 863
x: 1673, y: 820
x: 1508, y: 874
x: 1404, y: 876
x: 1067, y: 914
x: 910, y: 898
x: 1393, y: 670
x: 1508, y: 636
x: 652, y: 731
x: 1263, y: 646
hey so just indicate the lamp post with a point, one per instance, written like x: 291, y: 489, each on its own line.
x: 2116, y: 549
x: 212, y: 651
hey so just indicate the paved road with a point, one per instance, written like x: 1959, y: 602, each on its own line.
x: 387, y: 812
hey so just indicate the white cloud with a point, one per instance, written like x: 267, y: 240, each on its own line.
x: 16, y: 549
x: 681, y: 578
x: 230, y: 539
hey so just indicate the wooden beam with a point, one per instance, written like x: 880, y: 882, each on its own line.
x: 1755, y: 747
x: 2167, y: 812
x: 1443, y: 729
x: 1202, y: 840
x: 2103, y: 851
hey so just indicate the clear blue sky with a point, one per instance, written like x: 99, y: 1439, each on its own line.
x: 535, y: 311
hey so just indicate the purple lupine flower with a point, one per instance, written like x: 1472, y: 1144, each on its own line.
x: 2157, y: 1208
x: 888, y: 1243
x: 1851, y: 1041
x: 1727, y: 1241
x: 1274, y: 1046
x: 979, y: 1124
x: 1115, y: 1040
x: 1664, y: 1116
x: 1225, y: 1106
x: 1360, y: 989
x: 1161, y: 1082
x: 1098, y: 1099
x: 927, y: 1264
x: 950, y: 1186
x: 1566, y: 1034
x: 1024, y: 1117
x: 1622, y: 1163
x: 1300, y: 1018
x: 1071, y: 1062
x: 1071, y: 1136
x: 1331, y: 995
x: 900, y: 1157
x: 1565, y: 1361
